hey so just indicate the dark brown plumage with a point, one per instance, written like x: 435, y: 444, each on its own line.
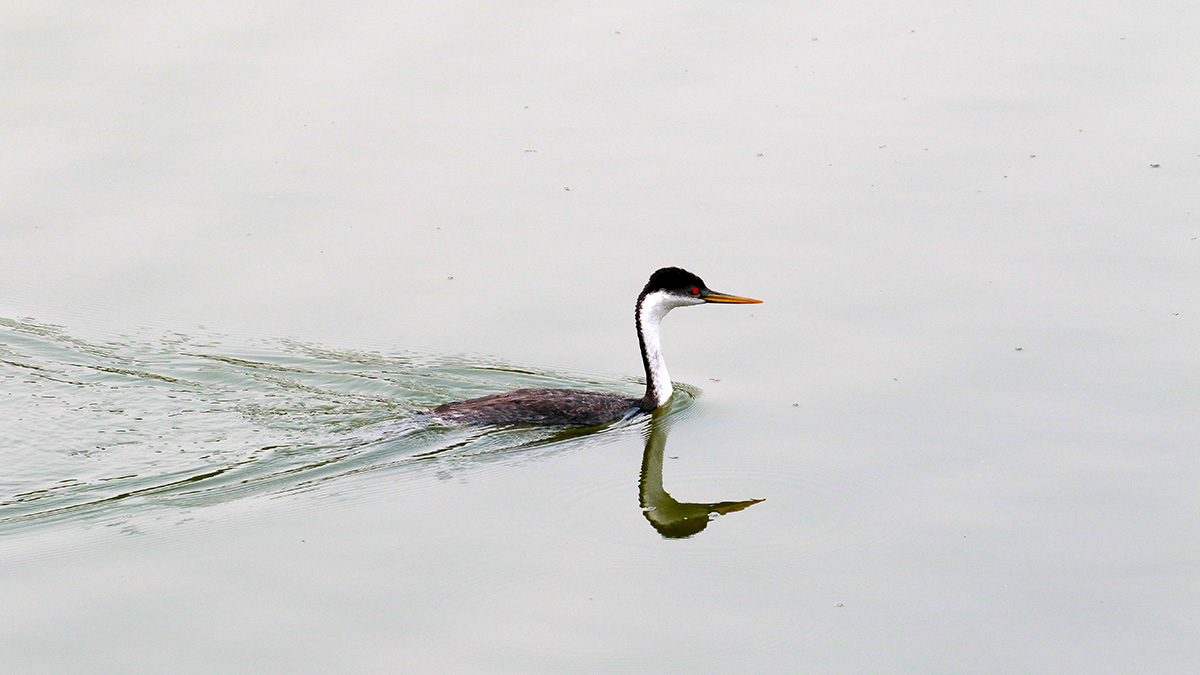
x: 565, y: 407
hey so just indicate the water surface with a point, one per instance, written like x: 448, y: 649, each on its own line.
x: 240, y: 247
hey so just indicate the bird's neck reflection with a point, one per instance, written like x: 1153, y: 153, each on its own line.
x: 673, y: 519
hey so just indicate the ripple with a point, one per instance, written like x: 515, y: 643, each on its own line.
x: 154, y: 423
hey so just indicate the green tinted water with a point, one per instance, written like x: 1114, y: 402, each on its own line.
x: 128, y: 429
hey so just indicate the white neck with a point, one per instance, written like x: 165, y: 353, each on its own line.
x: 650, y: 313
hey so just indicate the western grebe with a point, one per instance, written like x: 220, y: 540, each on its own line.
x: 668, y: 288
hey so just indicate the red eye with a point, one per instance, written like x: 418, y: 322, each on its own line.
x: 695, y: 290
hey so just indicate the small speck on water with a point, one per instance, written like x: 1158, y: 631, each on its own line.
x: 449, y: 278
x: 1155, y: 166
x: 1018, y: 349
x: 795, y: 405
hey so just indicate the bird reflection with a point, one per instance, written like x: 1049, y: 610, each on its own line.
x: 673, y: 519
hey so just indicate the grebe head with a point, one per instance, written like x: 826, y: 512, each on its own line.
x: 668, y: 288
x: 673, y: 287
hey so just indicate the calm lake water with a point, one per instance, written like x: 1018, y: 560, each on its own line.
x: 244, y: 246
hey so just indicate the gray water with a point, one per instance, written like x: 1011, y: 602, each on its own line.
x: 244, y: 246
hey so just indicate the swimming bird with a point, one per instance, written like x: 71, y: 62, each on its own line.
x: 668, y: 288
